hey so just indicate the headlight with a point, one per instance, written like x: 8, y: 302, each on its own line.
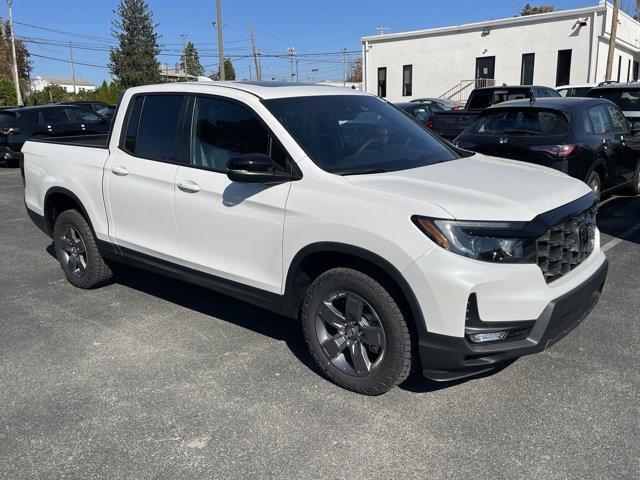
x: 488, y: 241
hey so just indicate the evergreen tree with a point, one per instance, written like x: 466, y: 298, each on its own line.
x: 134, y: 60
x: 529, y: 9
x: 229, y: 71
x: 7, y: 92
x: 190, y: 61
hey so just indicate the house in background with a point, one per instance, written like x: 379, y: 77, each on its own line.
x: 175, y: 74
x: 552, y: 49
x: 41, y: 81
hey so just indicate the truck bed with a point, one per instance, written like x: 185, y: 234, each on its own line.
x: 99, y: 140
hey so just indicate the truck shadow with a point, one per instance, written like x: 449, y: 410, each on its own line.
x: 617, y: 215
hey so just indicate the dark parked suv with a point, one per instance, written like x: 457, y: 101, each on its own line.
x: 625, y: 95
x: 18, y: 124
x: 587, y: 138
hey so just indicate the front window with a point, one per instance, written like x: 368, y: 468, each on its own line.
x: 524, y: 122
x: 351, y: 134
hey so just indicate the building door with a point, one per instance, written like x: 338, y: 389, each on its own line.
x: 526, y: 74
x: 485, y: 67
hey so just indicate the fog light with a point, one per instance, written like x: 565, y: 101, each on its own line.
x: 487, y: 337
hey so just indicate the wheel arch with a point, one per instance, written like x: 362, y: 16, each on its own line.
x: 56, y: 201
x: 600, y: 167
x: 316, y: 258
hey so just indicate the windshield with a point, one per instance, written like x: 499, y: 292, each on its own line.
x: 516, y: 121
x: 628, y: 100
x: 351, y: 134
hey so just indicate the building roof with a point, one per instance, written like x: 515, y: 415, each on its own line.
x: 80, y: 81
x: 263, y: 90
x: 503, y: 22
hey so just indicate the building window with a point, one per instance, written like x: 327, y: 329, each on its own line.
x: 619, y: 66
x: 629, y: 70
x: 526, y: 73
x: 563, y: 71
x: 636, y: 69
x: 407, y: 75
x: 382, y: 81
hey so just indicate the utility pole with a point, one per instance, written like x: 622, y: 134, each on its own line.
x: 612, y: 39
x: 381, y: 30
x: 256, y: 58
x: 16, y: 81
x: 297, y: 76
x: 344, y: 67
x: 220, y: 48
x: 184, y: 55
x: 73, y: 67
x: 314, y: 71
x: 292, y: 57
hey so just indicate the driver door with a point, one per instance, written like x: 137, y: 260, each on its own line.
x: 229, y: 229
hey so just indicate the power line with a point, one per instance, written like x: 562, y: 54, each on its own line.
x: 67, y: 61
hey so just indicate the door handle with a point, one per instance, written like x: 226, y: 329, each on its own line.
x: 189, y: 186
x: 120, y: 171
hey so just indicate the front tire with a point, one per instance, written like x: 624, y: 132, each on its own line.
x: 635, y: 184
x: 356, y: 332
x: 77, y: 251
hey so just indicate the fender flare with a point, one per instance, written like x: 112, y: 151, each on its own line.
x: 362, y: 254
x: 70, y: 194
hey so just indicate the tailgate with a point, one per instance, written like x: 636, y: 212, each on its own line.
x: 451, y: 124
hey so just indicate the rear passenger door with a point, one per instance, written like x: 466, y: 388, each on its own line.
x: 604, y: 129
x: 229, y: 229
x: 627, y: 156
x: 86, y: 121
x: 53, y: 121
x: 140, y: 174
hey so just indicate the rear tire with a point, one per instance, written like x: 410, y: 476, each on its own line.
x: 595, y: 184
x: 356, y: 332
x: 77, y: 251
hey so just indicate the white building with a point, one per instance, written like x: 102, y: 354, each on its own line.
x: 556, y: 48
x: 41, y: 81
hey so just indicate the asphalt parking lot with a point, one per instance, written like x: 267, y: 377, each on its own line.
x: 150, y: 378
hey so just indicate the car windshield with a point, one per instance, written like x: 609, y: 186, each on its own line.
x: 351, y: 134
x: 516, y: 121
x: 628, y: 100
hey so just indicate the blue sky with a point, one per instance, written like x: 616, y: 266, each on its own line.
x: 309, y: 26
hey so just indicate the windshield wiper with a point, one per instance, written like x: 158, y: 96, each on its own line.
x: 361, y: 171
x: 524, y: 132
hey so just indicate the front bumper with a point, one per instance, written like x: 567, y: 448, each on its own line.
x: 447, y: 358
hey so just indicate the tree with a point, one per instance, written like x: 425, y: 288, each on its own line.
x: 190, y: 61
x: 49, y: 94
x: 529, y: 9
x: 134, y: 60
x: 6, y: 57
x: 7, y: 92
x: 355, y: 71
x: 229, y: 71
x: 108, y: 93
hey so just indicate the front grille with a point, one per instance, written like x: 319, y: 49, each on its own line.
x: 566, y: 245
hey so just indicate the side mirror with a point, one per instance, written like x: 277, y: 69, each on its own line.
x: 254, y: 168
x: 635, y: 127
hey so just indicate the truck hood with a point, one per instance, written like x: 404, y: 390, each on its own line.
x: 480, y: 187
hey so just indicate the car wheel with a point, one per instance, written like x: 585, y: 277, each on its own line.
x: 356, y: 332
x: 595, y: 184
x: 77, y: 251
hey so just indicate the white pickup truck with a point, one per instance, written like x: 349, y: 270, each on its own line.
x: 393, y: 248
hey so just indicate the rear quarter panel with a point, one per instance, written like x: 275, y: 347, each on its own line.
x: 73, y: 168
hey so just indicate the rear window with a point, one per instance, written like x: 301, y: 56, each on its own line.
x: 7, y: 118
x: 485, y: 98
x: 626, y: 100
x: 525, y: 122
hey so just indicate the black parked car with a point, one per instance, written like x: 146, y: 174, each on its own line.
x: 108, y: 113
x: 449, y: 124
x: 423, y: 112
x: 625, y: 95
x: 587, y: 138
x: 94, y: 105
x: 18, y: 124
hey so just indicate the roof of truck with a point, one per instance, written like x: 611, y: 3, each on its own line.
x: 264, y: 90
